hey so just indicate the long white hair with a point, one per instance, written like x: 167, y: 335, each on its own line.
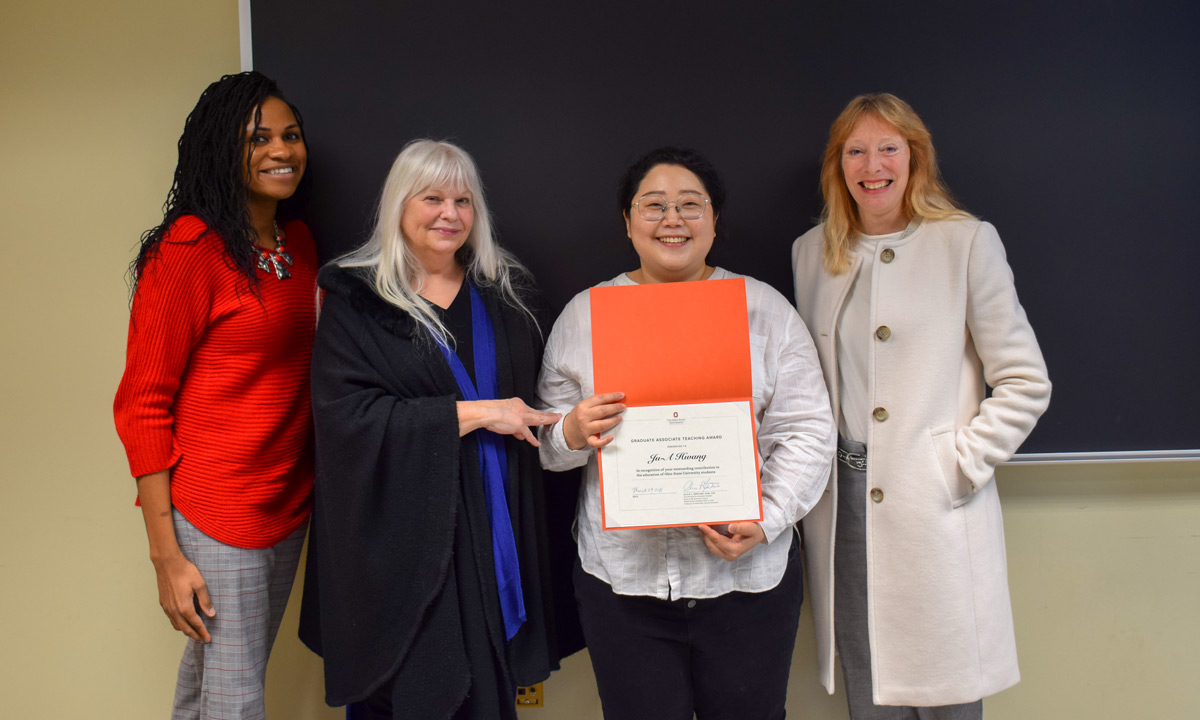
x: 398, y: 275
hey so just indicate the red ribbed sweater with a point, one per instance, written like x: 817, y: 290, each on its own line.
x: 216, y: 386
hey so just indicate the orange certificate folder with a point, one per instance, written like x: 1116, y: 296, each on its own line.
x: 677, y: 344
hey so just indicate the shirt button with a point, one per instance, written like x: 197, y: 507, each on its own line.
x: 887, y: 255
x: 691, y: 603
x: 877, y: 495
x: 880, y: 414
x: 883, y: 332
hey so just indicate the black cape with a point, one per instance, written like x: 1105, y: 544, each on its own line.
x: 399, y: 580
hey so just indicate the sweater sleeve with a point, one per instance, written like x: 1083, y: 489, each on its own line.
x: 169, y: 316
x: 1012, y: 365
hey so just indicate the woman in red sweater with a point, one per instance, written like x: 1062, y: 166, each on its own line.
x: 214, y: 407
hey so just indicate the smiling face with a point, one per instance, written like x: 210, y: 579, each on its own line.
x: 875, y: 163
x: 436, y: 222
x: 671, y: 249
x: 275, y: 155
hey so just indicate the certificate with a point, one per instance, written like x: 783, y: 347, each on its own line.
x: 685, y: 452
x: 681, y: 465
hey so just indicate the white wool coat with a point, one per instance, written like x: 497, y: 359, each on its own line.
x: 939, y: 617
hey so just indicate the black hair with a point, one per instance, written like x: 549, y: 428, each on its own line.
x: 685, y: 158
x: 210, y: 176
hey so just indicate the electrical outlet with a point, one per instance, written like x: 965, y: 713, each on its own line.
x: 530, y: 696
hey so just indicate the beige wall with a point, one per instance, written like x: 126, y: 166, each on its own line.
x: 1104, y: 568
x: 1105, y: 560
x: 92, y: 100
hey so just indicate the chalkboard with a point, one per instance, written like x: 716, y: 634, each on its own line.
x: 1073, y: 127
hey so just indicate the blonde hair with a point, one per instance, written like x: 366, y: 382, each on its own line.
x: 398, y: 274
x: 925, y: 197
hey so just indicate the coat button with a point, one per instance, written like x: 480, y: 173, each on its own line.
x: 883, y: 332
x: 879, y: 414
x: 887, y: 255
x: 877, y: 495
x: 691, y: 603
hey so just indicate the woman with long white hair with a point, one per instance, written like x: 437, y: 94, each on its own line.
x: 426, y: 571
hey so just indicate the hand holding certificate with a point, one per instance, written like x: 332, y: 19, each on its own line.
x: 684, y: 452
x: 587, y: 422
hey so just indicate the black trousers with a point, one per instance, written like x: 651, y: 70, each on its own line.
x: 723, y: 657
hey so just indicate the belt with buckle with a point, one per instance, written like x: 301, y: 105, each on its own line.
x: 853, y: 460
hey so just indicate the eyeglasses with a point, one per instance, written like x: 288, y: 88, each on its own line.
x: 653, y: 207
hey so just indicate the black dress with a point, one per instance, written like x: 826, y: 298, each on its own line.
x: 399, y: 587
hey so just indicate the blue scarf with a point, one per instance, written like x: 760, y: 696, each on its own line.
x: 493, y: 461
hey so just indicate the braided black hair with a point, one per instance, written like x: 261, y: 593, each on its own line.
x: 210, y: 177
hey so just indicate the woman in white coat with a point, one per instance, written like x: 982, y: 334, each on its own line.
x: 914, y: 313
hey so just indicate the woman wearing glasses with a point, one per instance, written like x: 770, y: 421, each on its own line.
x: 916, y: 314
x: 691, y: 619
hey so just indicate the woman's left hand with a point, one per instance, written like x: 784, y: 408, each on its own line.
x: 741, y: 539
x: 510, y: 416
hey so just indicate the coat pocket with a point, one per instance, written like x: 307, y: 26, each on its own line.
x: 958, y: 486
